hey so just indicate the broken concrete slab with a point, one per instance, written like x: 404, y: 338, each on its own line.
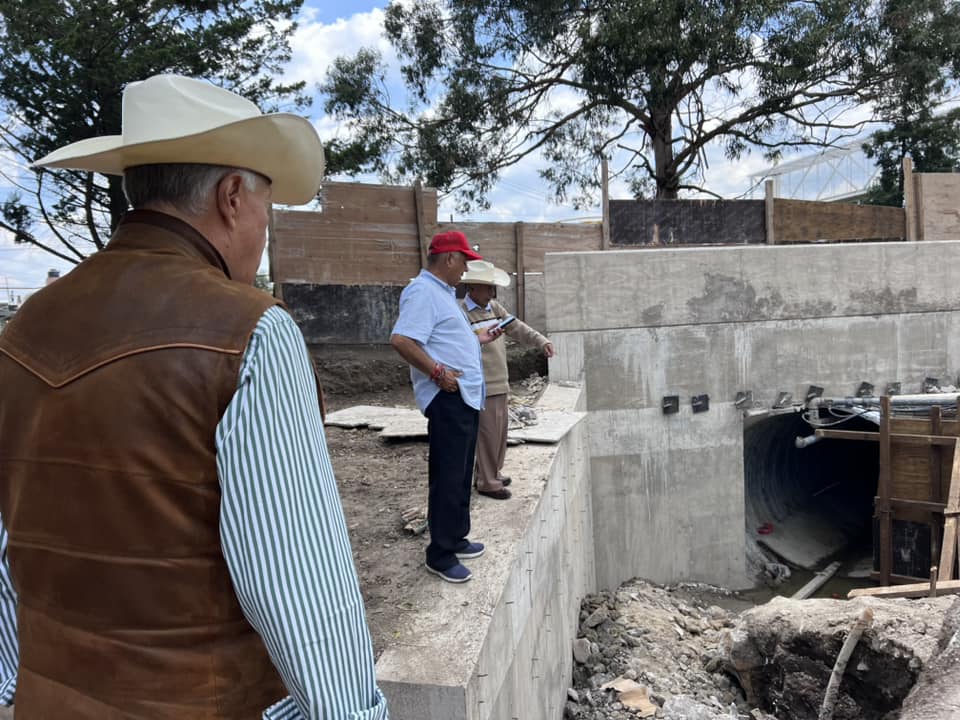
x: 396, y: 423
x: 375, y: 417
x: 551, y: 426
x: 937, y: 691
x: 783, y: 653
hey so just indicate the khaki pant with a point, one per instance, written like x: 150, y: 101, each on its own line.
x: 491, y: 443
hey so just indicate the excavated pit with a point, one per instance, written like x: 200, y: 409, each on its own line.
x: 809, y: 505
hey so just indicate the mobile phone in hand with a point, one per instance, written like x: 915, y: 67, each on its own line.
x: 506, y: 321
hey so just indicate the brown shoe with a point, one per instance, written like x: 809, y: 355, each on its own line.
x: 501, y: 494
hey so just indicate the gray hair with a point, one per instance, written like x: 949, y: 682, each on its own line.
x: 185, y: 186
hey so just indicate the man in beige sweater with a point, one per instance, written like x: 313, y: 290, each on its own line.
x: 483, y: 311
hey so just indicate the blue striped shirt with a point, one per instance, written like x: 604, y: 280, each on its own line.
x: 284, y: 539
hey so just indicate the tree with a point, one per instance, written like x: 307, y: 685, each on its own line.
x: 652, y: 83
x: 924, y: 51
x: 931, y: 141
x: 63, y: 66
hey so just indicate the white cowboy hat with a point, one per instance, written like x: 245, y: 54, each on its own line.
x: 175, y: 119
x: 481, y: 272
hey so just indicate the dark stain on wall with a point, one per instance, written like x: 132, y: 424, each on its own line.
x: 687, y: 222
x: 343, y: 314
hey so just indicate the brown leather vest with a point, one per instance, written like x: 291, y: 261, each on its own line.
x: 112, y: 382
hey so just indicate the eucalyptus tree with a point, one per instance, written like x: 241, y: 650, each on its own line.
x: 63, y: 66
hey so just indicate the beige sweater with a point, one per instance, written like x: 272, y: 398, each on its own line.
x: 495, y: 353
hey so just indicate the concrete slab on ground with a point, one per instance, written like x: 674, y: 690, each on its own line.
x: 551, y: 426
x: 394, y: 423
x: 405, y: 423
x: 375, y: 417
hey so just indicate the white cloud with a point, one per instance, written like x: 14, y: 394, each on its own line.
x: 23, y: 268
x: 316, y: 44
x: 321, y: 37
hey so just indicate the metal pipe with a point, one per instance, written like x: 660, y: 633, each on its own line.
x: 919, y: 399
x: 802, y: 442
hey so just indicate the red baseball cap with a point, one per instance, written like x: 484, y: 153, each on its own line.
x: 452, y: 241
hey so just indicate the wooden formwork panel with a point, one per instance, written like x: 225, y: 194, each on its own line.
x: 362, y: 235
x: 921, y: 426
x: 937, y: 195
x: 809, y: 221
x: 498, y: 241
x: 495, y: 241
x: 539, y: 239
x: 910, y: 470
x: 911, y: 475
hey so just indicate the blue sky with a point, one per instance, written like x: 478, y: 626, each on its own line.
x: 327, y: 30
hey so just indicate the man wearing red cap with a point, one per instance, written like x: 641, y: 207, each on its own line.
x: 433, y: 336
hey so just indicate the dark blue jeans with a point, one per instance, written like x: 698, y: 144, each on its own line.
x: 452, y: 430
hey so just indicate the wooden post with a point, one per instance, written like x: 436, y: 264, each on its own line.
x: 768, y: 211
x: 935, y: 494
x: 948, y: 552
x: 605, y: 193
x: 421, y: 224
x: 883, y: 495
x: 521, y: 279
x: 909, y: 200
x: 272, y: 258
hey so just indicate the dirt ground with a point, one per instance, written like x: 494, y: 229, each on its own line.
x: 378, y: 480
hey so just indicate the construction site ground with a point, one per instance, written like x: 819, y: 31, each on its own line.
x: 381, y: 480
x: 378, y: 481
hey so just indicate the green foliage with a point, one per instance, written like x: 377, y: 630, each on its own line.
x: 650, y: 83
x: 924, y: 57
x: 932, y: 142
x: 63, y: 66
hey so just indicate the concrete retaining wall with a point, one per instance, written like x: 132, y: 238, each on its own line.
x: 499, y: 647
x: 668, y: 493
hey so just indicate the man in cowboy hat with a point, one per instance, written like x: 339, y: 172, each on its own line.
x: 481, y: 280
x: 175, y: 538
x: 433, y: 337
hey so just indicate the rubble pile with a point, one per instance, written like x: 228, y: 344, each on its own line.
x: 782, y: 653
x: 672, y: 653
x: 664, y: 640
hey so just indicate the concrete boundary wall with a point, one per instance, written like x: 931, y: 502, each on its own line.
x: 668, y: 490
x: 499, y: 647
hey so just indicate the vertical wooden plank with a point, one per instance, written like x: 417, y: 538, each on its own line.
x: 919, y: 194
x: 271, y: 238
x: 935, y: 459
x: 948, y: 553
x: 768, y: 211
x: 883, y: 495
x: 909, y: 199
x: 605, y: 193
x: 521, y: 278
x: 421, y: 223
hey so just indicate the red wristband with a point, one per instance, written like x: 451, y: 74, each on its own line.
x: 437, y: 372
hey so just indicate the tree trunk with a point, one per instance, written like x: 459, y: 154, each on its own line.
x: 663, y: 161
x: 118, y: 201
